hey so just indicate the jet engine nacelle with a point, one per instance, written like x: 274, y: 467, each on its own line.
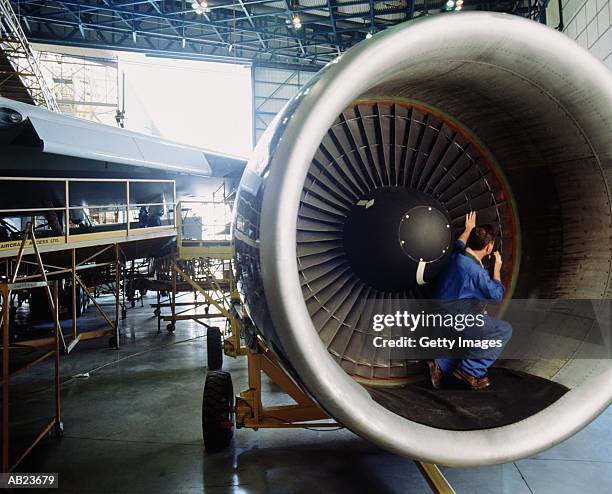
x: 360, y: 186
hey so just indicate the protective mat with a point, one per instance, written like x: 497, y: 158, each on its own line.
x: 512, y: 396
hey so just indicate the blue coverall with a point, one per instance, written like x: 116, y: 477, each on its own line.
x: 463, y: 279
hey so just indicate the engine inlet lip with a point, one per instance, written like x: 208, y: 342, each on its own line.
x: 316, y: 107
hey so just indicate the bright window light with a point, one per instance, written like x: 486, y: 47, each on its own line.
x: 203, y: 104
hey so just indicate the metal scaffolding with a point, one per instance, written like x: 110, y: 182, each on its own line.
x: 19, y: 65
x: 84, y: 86
x: 8, y: 285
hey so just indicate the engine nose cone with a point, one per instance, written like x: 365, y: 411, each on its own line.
x: 425, y: 234
x: 395, y: 238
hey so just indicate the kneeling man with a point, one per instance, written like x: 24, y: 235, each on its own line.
x: 466, y: 279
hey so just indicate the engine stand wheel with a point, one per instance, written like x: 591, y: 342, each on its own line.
x: 156, y: 312
x: 170, y: 327
x: 214, y: 348
x: 218, y: 411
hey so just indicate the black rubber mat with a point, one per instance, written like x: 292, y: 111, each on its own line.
x: 512, y: 396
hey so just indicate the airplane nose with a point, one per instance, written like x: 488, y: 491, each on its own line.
x: 9, y: 117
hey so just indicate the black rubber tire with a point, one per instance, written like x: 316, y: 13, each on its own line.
x: 39, y: 305
x: 217, y: 411
x: 171, y: 327
x: 214, y: 348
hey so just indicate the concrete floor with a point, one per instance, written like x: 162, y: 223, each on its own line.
x: 133, y: 426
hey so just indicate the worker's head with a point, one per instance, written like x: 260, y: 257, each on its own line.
x: 482, y: 239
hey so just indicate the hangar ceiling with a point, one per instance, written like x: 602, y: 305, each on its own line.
x: 289, y: 34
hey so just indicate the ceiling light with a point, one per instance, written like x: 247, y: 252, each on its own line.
x: 230, y: 47
x: 200, y: 6
x: 296, y: 21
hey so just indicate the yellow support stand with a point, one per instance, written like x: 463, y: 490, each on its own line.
x: 249, y: 410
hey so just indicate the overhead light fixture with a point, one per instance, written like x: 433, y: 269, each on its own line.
x: 451, y: 5
x: 296, y: 21
x: 230, y: 47
x: 200, y: 6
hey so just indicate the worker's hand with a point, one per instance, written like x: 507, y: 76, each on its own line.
x: 470, y: 221
x: 497, y: 265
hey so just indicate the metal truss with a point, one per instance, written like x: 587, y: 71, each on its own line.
x: 20, y: 74
x: 533, y: 9
x: 240, y: 31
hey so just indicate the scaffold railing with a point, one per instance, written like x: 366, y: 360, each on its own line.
x: 63, y: 216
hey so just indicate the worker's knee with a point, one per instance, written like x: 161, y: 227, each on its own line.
x: 504, y: 330
x: 497, y: 328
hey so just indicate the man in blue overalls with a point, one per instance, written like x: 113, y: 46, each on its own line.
x: 466, y: 279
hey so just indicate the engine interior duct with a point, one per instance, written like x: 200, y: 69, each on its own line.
x: 358, y: 189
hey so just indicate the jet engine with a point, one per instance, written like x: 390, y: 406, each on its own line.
x: 358, y: 189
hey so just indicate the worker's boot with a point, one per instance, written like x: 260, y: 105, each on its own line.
x: 471, y: 381
x: 435, y: 374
